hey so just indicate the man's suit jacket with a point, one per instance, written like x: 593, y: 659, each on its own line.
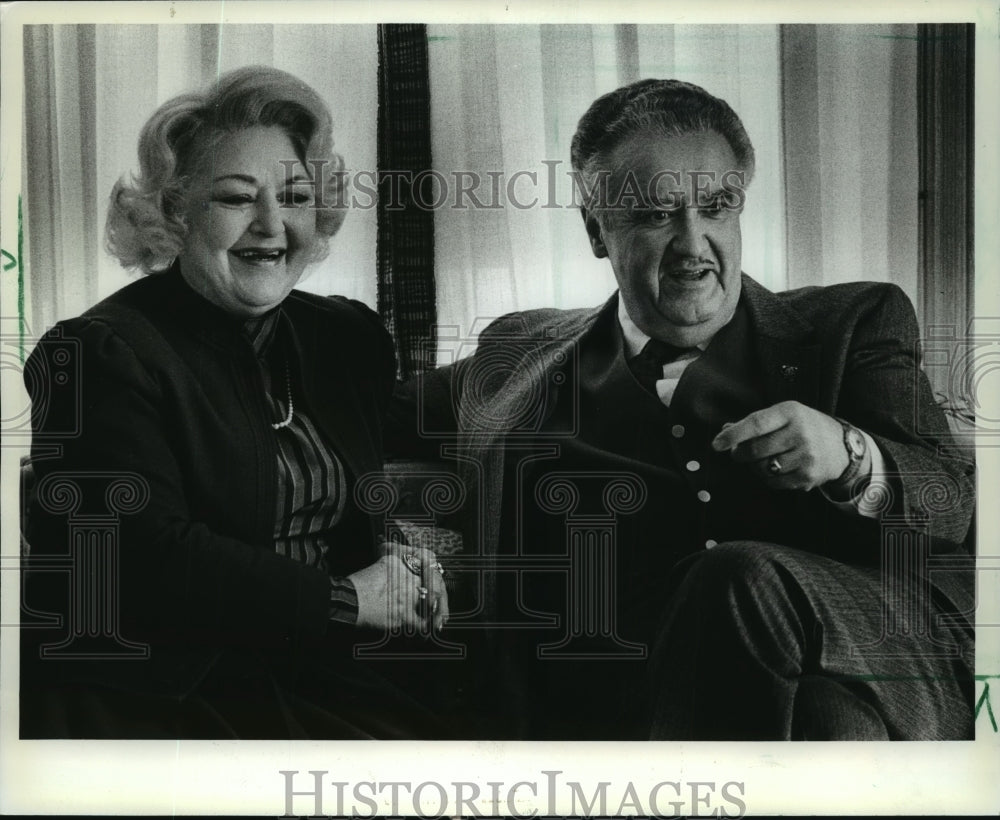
x: 849, y: 350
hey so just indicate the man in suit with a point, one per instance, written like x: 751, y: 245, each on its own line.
x: 779, y: 481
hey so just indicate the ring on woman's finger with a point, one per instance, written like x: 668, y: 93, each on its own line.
x: 437, y: 566
x: 774, y: 467
x: 413, y: 562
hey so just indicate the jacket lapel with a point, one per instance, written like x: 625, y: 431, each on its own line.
x: 786, y: 347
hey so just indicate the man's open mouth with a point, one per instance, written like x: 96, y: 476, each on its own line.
x: 690, y: 275
x: 260, y: 255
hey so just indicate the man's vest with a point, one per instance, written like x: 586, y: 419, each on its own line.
x: 649, y: 470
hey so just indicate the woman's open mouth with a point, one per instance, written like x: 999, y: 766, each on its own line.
x: 259, y: 256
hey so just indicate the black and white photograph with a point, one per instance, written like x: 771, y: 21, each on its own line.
x: 593, y: 407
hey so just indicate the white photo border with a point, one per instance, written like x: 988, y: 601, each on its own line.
x: 244, y: 777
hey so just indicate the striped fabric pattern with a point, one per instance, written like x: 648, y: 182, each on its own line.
x: 312, y: 484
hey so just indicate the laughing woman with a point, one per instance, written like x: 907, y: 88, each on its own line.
x: 241, y: 413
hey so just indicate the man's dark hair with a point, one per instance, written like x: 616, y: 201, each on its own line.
x: 673, y: 107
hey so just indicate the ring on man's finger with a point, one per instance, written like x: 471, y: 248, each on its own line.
x: 774, y: 467
x: 422, y: 593
x: 413, y: 562
x: 437, y: 566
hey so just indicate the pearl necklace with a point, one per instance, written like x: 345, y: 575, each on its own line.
x: 291, y: 405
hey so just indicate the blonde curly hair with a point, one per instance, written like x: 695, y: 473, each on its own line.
x: 145, y: 226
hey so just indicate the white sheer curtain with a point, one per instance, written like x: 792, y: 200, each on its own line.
x: 830, y: 109
x: 851, y: 139
x: 89, y: 89
x: 507, y: 98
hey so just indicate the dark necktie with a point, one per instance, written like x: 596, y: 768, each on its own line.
x: 648, y: 365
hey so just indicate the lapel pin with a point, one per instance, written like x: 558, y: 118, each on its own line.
x: 789, y: 372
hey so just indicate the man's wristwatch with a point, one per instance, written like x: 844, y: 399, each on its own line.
x: 857, y: 448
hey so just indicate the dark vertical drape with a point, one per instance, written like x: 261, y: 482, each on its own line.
x: 945, y: 94
x: 406, y: 294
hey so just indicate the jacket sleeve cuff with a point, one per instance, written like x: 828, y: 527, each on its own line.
x: 343, y: 601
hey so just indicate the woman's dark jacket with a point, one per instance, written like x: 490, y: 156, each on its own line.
x: 162, y: 390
